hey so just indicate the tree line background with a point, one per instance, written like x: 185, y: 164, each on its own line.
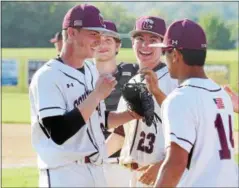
x: 32, y: 24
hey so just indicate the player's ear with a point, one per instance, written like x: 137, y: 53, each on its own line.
x: 71, y: 32
x: 118, y: 46
x: 179, y: 56
x: 174, y: 56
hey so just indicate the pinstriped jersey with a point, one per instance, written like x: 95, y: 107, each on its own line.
x: 145, y: 144
x: 57, y: 88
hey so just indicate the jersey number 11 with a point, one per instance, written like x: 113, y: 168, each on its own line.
x: 225, y: 151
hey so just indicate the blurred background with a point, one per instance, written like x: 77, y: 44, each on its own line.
x: 31, y: 24
x: 27, y: 27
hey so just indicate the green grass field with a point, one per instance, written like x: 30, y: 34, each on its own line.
x: 16, y: 109
x: 20, y: 177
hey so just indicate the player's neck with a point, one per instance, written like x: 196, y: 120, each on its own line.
x: 150, y: 65
x: 71, y: 59
x: 106, y: 67
x: 192, y: 72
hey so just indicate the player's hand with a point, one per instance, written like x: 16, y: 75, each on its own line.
x: 105, y: 85
x: 234, y: 98
x: 151, y: 80
x: 150, y: 173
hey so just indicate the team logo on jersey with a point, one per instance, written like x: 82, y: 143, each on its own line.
x: 69, y: 85
x: 219, y: 103
x: 81, y: 98
x: 148, y: 24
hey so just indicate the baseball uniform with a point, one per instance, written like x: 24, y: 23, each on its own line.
x: 56, y: 89
x: 113, y: 170
x: 144, y: 144
x: 204, y: 128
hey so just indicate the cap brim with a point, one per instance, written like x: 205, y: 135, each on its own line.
x: 135, y: 32
x: 158, y: 45
x: 110, y: 33
x: 100, y: 29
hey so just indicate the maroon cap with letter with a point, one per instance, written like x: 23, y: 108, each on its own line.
x: 84, y: 16
x: 149, y: 24
x: 112, y: 30
x: 184, y: 34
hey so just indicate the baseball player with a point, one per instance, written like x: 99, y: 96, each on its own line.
x: 57, y: 41
x: 197, y: 116
x: 106, y: 63
x: 67, y: 109
x: 234, y: 98
x: 143, y: 146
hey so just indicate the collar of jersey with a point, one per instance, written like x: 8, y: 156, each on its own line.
x: 159, y: 66
x: 200, y: 82
x: 64, y: 68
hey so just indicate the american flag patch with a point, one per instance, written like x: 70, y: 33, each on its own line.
x: 219, y: 103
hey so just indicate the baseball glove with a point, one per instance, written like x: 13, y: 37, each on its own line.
x: 139, y: 100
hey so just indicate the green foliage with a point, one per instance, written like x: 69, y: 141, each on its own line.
x: 28, y: 24
x: 218, y: 34
x: 32, y: 24
x: 117, y: 13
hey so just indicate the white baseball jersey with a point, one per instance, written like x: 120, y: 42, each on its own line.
x: 145, y: 144
x: 198, y: 116
x: 57, y: 88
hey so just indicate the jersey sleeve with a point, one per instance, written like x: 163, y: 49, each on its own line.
x: 179, y: 122
x: 47, y: 96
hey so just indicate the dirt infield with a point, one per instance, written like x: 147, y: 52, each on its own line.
x: 17, y: 149
x: 16, y: 146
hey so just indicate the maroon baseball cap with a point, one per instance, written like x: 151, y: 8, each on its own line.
x: 56, y: 38
x: 184, y: 34
x: 111, y: 29
x: 84, y: 16
x: 149, y: 24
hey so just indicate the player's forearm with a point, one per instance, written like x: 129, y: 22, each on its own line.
x: 114, y: 143
x: 159, y: 96
x: 169, y: 173
x: 119, y: 118
x: 88, y: 106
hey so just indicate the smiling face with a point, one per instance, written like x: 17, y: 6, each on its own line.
x: 107, y: 49
x: 84, y: 42
x: 146, y: 56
